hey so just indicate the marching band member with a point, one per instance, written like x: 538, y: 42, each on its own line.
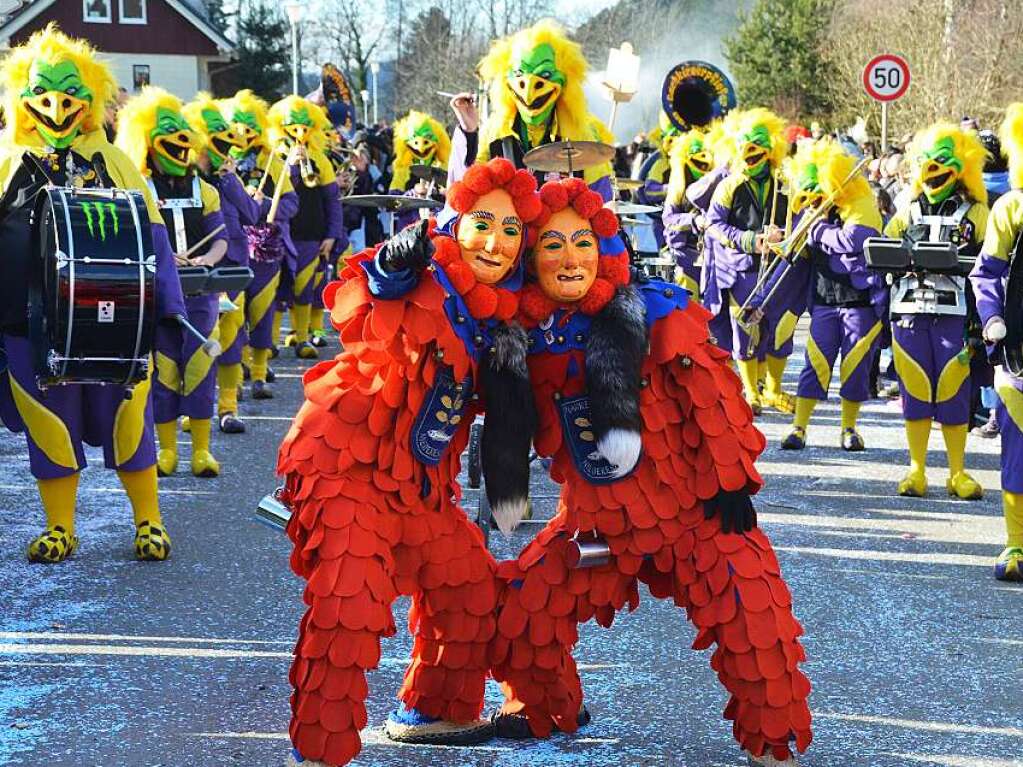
x: 848, y: 303
x: 690, y: 160
x: 536, y: 81
x: 654, y: 447
x: 418, y: 140
x: 371, y: 465
x: 296, y: 127
x: 746, y: 217
x: 932, y: 357
x: 999, y: 256
x: 239, y: 210
x: 269, y: 242
x: 56, y: 91
x: 656, y: 172
x: 154, y: 134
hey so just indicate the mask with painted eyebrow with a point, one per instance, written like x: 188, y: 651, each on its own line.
x: 490, y: 251
x: 566, y: 266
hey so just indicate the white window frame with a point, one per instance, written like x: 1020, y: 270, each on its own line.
x: 96, y: 19
x: 121, y: 18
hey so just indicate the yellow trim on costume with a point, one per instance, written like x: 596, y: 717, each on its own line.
x: 130, y: 422
x: 1011, y: 397
x: 210, y: 198
x: 951, y: 379
x: 198, y: 366
x: 230, y: 323
x: 913, y: 377
x: 786, y: 327
x: 167, y: 372
x: 819, y: 363
x: 683, y: 280
x: 260, y: 305
x: 46, y: 428
x: 855, y: 356
x: 733, y: 305
x: 304, y: 276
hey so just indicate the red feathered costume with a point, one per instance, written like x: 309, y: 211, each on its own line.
x: 698, y: 439
x: 372, y: 520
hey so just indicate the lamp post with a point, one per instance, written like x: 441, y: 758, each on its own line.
x: 365, y: 106
x: 621, y: 78
x: 295, y: 10
x: 374, y: 68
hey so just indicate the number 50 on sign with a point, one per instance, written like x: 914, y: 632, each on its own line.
x: 886, y: 77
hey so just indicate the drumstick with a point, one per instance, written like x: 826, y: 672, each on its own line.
x: 447, y: 95
x: 278, y: 187
x: 210, y: 346
x: 203, y: 241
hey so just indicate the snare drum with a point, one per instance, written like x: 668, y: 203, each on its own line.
x: 92, y: 300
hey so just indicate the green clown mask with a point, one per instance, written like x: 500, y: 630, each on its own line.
x: 298, y: 127
x: 754, y: 151
x: 57, y: 101
x: 698, y: 160
x: 222, y: 138
x: 808, y: 193
x: 536, y: 83
x: 939, y: 170
x: 170, y: 142
x: 247, y: 130
x: 422, y: 144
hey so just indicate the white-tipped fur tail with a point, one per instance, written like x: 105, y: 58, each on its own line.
x: 508, y: 514
x: 621, y: 448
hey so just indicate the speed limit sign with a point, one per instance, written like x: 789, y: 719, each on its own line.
x: 886, y: 77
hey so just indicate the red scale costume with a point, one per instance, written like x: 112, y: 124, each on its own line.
x: 371, y: 519
x: 698, y: 441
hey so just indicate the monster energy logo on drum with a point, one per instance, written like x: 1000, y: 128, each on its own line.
x: 96, y: 218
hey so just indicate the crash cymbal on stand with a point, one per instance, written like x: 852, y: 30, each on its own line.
x: 568, y: 156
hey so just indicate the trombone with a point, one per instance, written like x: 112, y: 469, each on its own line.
x: 786, y: 252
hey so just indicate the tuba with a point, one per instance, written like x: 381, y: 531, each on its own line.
x: 695, y: 93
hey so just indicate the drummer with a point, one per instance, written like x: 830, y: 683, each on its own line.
x: 420, y: 144
x: 56, y: 91
x: 536, y: 98
x: 153, y: 132
x: 296, y: 128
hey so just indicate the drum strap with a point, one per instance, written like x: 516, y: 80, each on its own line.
x: 177, y: 207
x: 936, y: 223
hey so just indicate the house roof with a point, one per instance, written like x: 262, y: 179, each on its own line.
x: 194, y: 11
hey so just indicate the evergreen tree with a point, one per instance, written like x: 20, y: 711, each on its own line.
x: 263, y: 60
x: 775, y: 55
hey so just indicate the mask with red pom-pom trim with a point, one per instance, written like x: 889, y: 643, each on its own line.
x: 484, y: 301
x: 612, y: 268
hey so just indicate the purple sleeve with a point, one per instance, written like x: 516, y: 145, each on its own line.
x: 602, y: 186
x: 988, y: 278
x: 287, y: 207
x: 738, y: 250
x: 701, y: 192
x: 233, y: 191
x: 169, y: 301
x: 652, y: 193
x: 332, y: 206
x: 843, y: 246
x: 464, y: 148
x: 677, y: 227
x: 209, y: 223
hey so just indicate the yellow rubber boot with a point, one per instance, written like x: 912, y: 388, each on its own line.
x: 773, y: 394
x: 959, y: 483
x: 203, y: 463
x: 167, y: 457
x: 852, y: 442
x: 152, y: 543
x: 275, y: 327
x: 918, y: 433
x: 59, y: 541
x: 796, y: 439
x: 748, y: 373
x: 300, y: 331
x: 1009, y: 565
x: 316, y: 319
x: 229, y: 378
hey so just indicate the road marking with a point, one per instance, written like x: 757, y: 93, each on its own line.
x: 991, y: 640
x: 44, y: 663
x: 51, y: 635
x: 268, y: 418
x: 916, y: 724
x: 956, y: 760
x: 118, y: 490
x: 923, y: 557
x: 370, y: 737
x: 106, y: 649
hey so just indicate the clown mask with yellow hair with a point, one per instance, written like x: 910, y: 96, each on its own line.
x: 154, y: 133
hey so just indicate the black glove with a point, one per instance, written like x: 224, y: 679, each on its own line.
x: 735, y: 509
x: 408, y: 249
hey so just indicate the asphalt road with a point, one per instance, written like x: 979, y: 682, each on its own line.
x: 915, y: 652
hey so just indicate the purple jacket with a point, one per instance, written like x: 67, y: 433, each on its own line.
x: 680, y: 236
x: 330, y: 199
x: 239, y: 210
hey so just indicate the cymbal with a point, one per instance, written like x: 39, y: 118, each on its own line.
x: 636, y: 221
x: 568, y: 156
x: 389, y: 202
x: 428, y: 173
x: 629, y: 184
x: 631, y: 208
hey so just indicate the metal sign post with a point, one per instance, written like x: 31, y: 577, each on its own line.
x: 886, y: 79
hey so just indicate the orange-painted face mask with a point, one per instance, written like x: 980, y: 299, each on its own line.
x: 567, y: 257
x: 490, y: 237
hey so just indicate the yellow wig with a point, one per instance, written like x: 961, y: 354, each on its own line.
x: 137, y: 119
x: 967, y: 149
x: 749, y: 119
x: 855, y: 202
x: 681, y: 148
x: 570, y: 111
x: 718, y: 138
x: 201, y: 102
x: 404, y: 130
x: 247, y: 101
x: 281, y: 111
x: 52, y: 46
x: 1012, y: 142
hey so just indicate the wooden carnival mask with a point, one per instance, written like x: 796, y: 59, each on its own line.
x: 490, y: 237
x: 566, y: 257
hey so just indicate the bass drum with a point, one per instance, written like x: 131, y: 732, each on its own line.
x: 93, y: 301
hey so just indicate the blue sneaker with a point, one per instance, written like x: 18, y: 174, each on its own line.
x: 407, y: 725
